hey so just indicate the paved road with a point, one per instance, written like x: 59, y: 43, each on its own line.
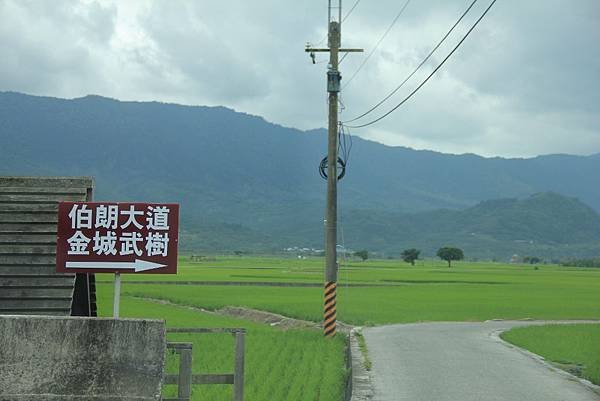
x: 461, y: 362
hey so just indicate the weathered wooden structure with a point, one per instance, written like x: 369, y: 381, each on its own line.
x: 28, y: 215
x: 184, y: 378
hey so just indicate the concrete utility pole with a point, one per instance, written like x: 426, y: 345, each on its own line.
x: 333, y: 88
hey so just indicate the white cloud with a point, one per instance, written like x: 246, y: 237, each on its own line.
x: 524, y: 83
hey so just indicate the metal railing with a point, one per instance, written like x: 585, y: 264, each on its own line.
x: 185, y: 378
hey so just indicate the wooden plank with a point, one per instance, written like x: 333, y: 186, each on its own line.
x: 28, y: 216
x: 43, y: 190
x: 36, y: 311
x: 30, y: 270
x: 171, y: 379
x: 41, y: 198
x: 35, y: 302
x: 213, y: 379
x: 18, y: 249
x: 56, y: 291
x: 40, y: 280
x: 48, y: 182
x: 202, y: 379
x: 29, y: 207
x: 184, y: 386
x: 28, y: 228
x: 27, y: 239
x: 238, y: 385
x: 21, y: 259
x: 178, y: 346
x: 205, y: 330
x: 23, y: 217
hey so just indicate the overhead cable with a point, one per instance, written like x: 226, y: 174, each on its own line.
x: 350, y: 11
x: 430, y: 75
x: 343, y: 19
x: 418, y: 66
x: 377, y: 44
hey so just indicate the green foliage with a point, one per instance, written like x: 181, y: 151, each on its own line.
x: 532, y: 260
x: 362, y: 344
x: 546, y: 225
x: 582, y: 262
x: 363, y: 254
x: 410, y: 255
x: 573, y: 347
x: 449, y: 254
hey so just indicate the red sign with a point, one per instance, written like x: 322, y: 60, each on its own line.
x: 108, y: 237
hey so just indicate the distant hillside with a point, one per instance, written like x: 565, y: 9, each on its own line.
x: 246, y: 183
x: 545, y: 224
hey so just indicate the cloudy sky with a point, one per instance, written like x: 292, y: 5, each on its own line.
x: 526, y: 82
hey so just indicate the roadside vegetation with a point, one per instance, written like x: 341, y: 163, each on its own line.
x: 280, y: 365
x: 574, y: 347
x: 362, y: 344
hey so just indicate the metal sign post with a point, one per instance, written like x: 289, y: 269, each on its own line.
x: 117, y: 295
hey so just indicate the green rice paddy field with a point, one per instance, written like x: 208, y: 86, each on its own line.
x: 575, y: 348
x: 280, y: 365
x: 393, y: 291
x: 300, y: 364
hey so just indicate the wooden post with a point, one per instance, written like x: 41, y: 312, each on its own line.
x: 184, y: 390
x: 333, y: 87
x: 238, y: 378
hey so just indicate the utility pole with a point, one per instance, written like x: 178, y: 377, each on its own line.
x: 333, y: 88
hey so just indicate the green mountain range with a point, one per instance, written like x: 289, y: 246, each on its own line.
x: 247, y: 184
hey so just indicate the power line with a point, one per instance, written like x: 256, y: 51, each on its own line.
x: 430, y: 75
x: 377, y: 44
x: 418, y: 66
x: 343, y: 57
x: 350, y: 11
x: 343, y: 19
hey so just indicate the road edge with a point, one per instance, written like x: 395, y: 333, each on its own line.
x: 495, y: 335
x: 362, y: 384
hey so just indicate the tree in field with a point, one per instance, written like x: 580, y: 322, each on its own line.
x: 410, y: 255
x: 364, y: 254
x: 449, y: 254
x: 532, y: 260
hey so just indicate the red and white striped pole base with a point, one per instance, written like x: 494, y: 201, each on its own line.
x: 330, y: 309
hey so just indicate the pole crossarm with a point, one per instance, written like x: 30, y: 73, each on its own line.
x: 311, y: 49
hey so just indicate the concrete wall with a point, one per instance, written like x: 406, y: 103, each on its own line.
x: 70, y: 358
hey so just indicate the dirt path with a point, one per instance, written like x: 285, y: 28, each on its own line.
x: 255, y: 315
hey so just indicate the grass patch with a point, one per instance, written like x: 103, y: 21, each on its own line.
x: 362, y: 344
x: 441, y: 295
x: 292, y: 365
x: 573, y: 347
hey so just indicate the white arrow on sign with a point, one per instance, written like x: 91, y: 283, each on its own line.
x: 138, y: 265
